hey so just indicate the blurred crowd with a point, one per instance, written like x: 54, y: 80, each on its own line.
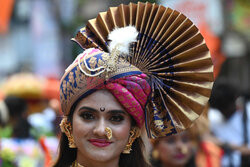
x: 29, y: 120
x: 29, y: 84
x: 220, y: 137
x: 30, y: 116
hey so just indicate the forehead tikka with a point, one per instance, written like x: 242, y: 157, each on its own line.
x: 102, y: 109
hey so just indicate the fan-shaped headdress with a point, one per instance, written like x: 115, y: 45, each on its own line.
x: 169, y: 54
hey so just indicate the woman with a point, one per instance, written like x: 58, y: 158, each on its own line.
x: 174, y: 151
x: 103, y: 117
x: 112, y: 90
x: 96, y: 148
x: 193, y: 147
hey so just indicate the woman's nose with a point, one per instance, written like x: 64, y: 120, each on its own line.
x: 99, y: 129
x: 179, y: 144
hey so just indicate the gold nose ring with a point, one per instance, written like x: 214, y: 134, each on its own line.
x: 108, y: 132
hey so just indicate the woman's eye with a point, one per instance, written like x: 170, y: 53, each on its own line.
x: 170, y: 140
x: 87, y: 116
x: 117, y: 118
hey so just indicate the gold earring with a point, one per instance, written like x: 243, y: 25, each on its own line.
x: 134, y: 133
x: 155, y: 154
x: 67, y: 128
x: 108, y: 132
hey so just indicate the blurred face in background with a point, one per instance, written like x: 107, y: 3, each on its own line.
x: 175, y: 150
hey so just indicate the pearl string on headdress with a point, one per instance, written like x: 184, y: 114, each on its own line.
x: 87, y: 51
x: 117, y: 46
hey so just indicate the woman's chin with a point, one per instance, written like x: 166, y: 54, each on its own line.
x: 102, y: 157
x: 101, y: 153
x: 179, y: 162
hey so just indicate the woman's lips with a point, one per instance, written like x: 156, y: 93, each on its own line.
x: 179, y: 156
x: 100, y: 142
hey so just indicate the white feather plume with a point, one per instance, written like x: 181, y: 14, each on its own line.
x: 122, y: 37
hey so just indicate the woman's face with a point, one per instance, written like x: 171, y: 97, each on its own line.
x: 175, y: 150
x: 90, y: 121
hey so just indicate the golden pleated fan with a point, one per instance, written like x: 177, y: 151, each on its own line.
x: 171, y: 51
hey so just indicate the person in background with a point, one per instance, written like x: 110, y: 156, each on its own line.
x: 173, y: 151
x: 4, y: 113
x: 43, y: 122
x: 18, y: 145
x: 15, y: 119
x: 227, y: 123
x: 191, y: 148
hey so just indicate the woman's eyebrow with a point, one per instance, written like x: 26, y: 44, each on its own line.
x: 94, y: 110
x: 117, y: 112
x: 87, y: 108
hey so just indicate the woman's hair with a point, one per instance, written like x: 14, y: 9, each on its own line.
x: 68, y: 155
x: 136, y: 157
x: 223, y: 97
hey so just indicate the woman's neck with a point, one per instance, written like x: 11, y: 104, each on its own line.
x: 171, y: 165
x: 92, y: 163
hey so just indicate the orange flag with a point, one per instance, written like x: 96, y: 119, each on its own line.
x: 209, y: 155
x: 5, y: 14
x: 48, y: 158
x: 214, y: 45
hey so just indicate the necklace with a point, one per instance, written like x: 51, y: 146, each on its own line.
x: 76, y: 164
